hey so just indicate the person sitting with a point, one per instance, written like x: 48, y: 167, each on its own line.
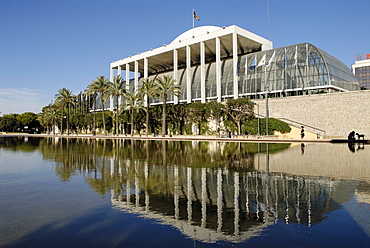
x: 351, y: 135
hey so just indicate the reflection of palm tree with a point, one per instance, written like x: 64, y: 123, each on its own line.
x: 116, y: 89
x: 65, y: 98
x: 133, y: 101
x: 166, y: 86
x: 49, y: 116
x: 53, y: 115
x: 148, y: 89
x: 101, y: 85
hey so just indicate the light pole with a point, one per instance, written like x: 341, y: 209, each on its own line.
x: 258, y: 114
x: 267, y: 104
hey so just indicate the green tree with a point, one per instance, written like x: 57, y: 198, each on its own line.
x: 101, y: 85
x: 197, y: 113
x: 177, y: 115
x: 239, y: 109
x: 148, y: 90
x: 216, y: 112
x: 10, y: 123
x: 166, y: 86
x: 116, y: 89
x: 53, y: 114
x: 48, y: 117
x: 132, y: 102
x: 65, y: 98
x: 30, y: 120
x: 92, y: 90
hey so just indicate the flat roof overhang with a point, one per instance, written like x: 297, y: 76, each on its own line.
x: 161, y: 59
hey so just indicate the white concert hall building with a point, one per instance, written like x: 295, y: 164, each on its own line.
x: 219, y: 63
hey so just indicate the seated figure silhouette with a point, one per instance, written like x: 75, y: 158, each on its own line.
x: 351, y: 135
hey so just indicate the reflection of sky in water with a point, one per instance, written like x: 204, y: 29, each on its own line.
x: 63, y: 192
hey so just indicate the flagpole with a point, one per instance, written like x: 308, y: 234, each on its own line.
x: 268, y: 17
x: 192, y: 17
x: 267, y: 104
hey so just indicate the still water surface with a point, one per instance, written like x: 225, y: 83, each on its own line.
x: 122, y: 193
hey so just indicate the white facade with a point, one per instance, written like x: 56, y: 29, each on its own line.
x: 359, y: 64
x: 361, y: 69
x: 200, y: 45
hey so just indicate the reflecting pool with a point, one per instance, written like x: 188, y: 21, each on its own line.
x: 80, y: 192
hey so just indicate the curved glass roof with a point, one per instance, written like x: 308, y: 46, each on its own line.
x: 292, y: 70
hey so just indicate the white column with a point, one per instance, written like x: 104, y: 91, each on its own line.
x: 235, y: 65
x: 188, y: 75
x: 119, y: 72
x: 127, y: 75
x: 136, y: 75
x: 145, y: 77
x: 202, y: 73
x: 111, y: 74
x: 145, y: 67
x: 218, y: 69
x: 175, y: 76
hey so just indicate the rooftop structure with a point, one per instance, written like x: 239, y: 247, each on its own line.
x: 218, y: 63
x: 361, y: 69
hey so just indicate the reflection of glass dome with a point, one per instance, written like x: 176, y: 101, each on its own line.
x: 195, y: 32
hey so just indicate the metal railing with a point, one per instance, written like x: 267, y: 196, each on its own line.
x: 316, y: 130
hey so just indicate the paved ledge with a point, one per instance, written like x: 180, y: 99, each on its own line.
x: 262, y: 139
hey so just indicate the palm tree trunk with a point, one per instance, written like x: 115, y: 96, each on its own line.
x: 147, y: 117
x: 132, y: 122
x: 117, y: 112
x: 68, y: 120
x: 94, y: 125
x: 164, y: 115
x: 61, y: 122
x: 102, y: 104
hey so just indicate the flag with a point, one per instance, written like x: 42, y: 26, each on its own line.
x: 195, y: 16
x: 262, y: 61
x: 272, y: 59
x: 253, y: 64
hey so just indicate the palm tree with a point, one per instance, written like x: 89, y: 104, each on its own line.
x: 101, y: 86
x: 148, y: 90
x: 92, y: 91
x: 166, y: 86
x: 44, y: 119
x: 116, y: 89
x: 65, y: 98
x: 133, y: 101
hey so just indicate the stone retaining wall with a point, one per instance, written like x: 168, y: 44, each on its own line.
x: 336, y: 113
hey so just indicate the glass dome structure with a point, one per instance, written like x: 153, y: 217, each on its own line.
x: 286, y: 71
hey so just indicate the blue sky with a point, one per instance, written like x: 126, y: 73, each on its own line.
x: 46, y: 45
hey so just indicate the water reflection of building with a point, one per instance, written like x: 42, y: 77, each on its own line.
x: 335, y: 161
x: 198, y: 190
x: 217, y: 204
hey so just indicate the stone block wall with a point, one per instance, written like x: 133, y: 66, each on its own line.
x: 336, y: 113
